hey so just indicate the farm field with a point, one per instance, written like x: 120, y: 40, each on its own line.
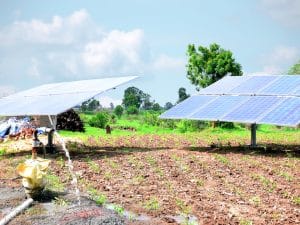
x: 204, y: 177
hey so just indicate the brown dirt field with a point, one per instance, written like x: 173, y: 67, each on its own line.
x: 233, y: 186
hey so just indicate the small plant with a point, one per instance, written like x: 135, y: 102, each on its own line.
x: 97, y: 196
x: 245, y: 222
x: 286, y: 175
x: 2, y: 151
x: 151, y: 160
x: 108, y: 175
x: 54, y: 183
x: 100, y: 120
x: 255, y: 200
x: 296, y: 200
x: 199, y: 183
x: 119, y: 209
x: 268, y: 184
x: 222, y: 159
x: 138, y: 179
x: 118, y: 111
x: 93, y: 166
x: 60, y: 201
x: 152, y: 204
x: 183, y: 207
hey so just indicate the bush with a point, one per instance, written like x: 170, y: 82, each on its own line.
x: 132, y: 110
x: 151, y: 119
x: 227, y: 125
x: 118, y: 111
x: 190, y: 125
x: 100, y: 120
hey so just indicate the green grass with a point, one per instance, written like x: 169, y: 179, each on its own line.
x: 237, y: 136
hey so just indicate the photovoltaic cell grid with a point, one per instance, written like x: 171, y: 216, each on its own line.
x: 250, y: 110
x: 187, y: 107
x: 249, y: 99
x: 52, y: 99
x: 285, y: 85
x: 287, y: 113
x: 215, y: 109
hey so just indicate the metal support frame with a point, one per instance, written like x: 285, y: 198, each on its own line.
x: 50, y: 147
x: 253, y: 135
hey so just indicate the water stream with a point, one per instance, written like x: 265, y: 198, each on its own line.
x: 74, y: 181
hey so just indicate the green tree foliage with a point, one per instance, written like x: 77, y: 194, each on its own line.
x: 207, y: 65
x: 90, y: 105
x: 168, y: 105
x: 156, y: 107
x: 132, y: 110
x: 118, y: 111
x: 100, y: 120
x: 182, y: 95
x: 147, y: 103
x: 136, y: 97
x: 133, y: 97
x: 295, y: 69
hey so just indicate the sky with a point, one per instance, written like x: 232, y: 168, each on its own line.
x: 52, y: 41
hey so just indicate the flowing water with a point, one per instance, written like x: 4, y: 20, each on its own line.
x: 74, y: 181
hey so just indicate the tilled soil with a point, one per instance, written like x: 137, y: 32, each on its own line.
x: 231, y: 186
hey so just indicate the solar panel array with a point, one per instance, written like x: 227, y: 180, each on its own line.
x: 269, y: 99
x: 52, y: 99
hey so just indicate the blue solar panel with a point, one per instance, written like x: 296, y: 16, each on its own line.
x: 187, y: 107
x: 252, y: 109
x: 287, y: 113
x: 253, y: 85
x: 285, y: 85
x: 224, y: 85
x: 217, y: 108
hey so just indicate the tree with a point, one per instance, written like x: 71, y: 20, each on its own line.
x: 90, y: 105
x: 112, y: 106
x: 182, y: 95
x: 131, y: 110
x: 156, y: 107
x: 132, y: 97
x: 295, y: 69
x: 136, y: 97
x: 147, y: 103
x: 207, y: 65
x: 168, y: 105
x: 119, y: 111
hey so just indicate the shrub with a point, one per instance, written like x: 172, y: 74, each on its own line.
x: 100, y: 120
x: 118, y: 111
x: 151, y: 119
x: 190, y: 125
x: 132, y: 110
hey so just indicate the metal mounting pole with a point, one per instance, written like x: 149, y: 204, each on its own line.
x: 253, y: 135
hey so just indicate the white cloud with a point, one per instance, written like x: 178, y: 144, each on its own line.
x: 59, y: 30
x: 286, y: 12
x: 279, y: 60
x: 119, y: 49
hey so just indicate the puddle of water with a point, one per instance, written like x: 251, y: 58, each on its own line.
x: 185, y: 219
x: 129, y: 215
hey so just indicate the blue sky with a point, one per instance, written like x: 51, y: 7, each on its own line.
x: 51, y: 41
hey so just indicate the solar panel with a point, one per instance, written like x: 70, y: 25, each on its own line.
x: 253, y: 85
x: 217, y: 108
x: 284, y: 85
x: 287, y: 113
x: 52, y: 99
x: 187, y: 107
x: 224, y: 85
x: 250, y: 110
